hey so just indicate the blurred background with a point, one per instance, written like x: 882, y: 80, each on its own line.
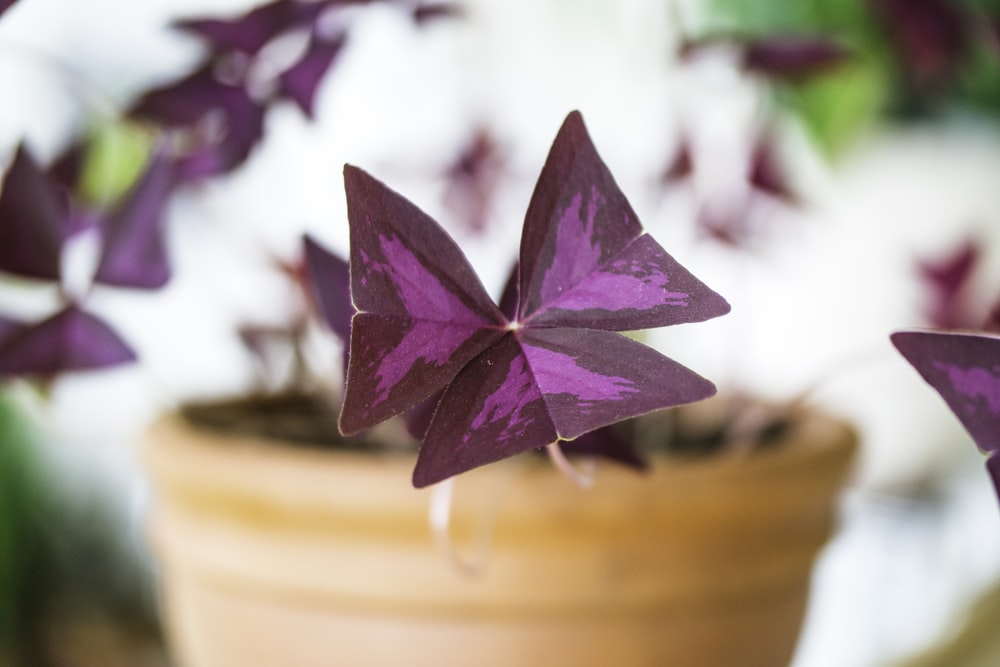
x: 830, y: 167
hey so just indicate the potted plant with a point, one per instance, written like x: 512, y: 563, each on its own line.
x: 323, y: 552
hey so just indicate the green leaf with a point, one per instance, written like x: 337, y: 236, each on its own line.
x: 115, y: 158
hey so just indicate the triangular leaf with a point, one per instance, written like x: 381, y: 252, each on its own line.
x: 329, y: 284
x: 70, y: 340
x: 585, y: 260
x: 493, y: 410
x: 251, y: 31
x: 591, y: 378
x: 188, y: 101
x: 423, y: 314
x: 133, y: 252
x: 300, y: 81
x: 34, y: 220
x: 965, y: 369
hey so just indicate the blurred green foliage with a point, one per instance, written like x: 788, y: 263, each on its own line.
x: 116, y: 155
x: 875, y: 87
x: 20, y: 496
x: 66, y: 556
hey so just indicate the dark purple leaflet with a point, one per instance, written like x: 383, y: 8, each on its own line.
x: 34, y: 220
x: 133, y: 252
x: 300, y: 82
x: 70, y: 340
x: 557, y: 371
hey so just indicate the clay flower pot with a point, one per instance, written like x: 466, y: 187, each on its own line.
x: 296, y: 557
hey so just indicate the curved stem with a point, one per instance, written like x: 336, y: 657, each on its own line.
x: 439, y: 515
x: 583, y: 478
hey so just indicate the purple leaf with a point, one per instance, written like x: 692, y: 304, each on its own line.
x: 423, y: 314
x: 34, y: 220
x: 133, y: 252
x: 793, y: 57
x: 930, y: 36
x: 965, y: 369
x: 585, y: 260
x: 328, y: 281
x: 681, y: 165
x: 5, y: 5
x: 250, y: 32
x: 70, y: 340
x: 947, y: 280
x: 608, y: 443
x: 472, y: 181
x: 67, y: 168
x: 765, y: 174
x: 540, y: 385
x: 8, y: 327
x: 425, y: 13
x: 300, y: 81
x: 232, y: 122
x: 425, y: 323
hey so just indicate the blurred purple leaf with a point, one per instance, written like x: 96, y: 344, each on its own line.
x: 472, y: 180
x: 931, y: 37
x: 133, y: 252
x: 608, y: 443
x: 765, y: 173
x: 250, y: 32
x: 5, y: 5
x: 9, y: 327
x: 964, y: 368
x: 34, y: 220
x: 225, y: 123
x: 425, y: 323
x: 300, y: 81
x: 70, y: 340
x: 947, y: 280
x: 425, y: 13
x: 328, y: 279
x: 726, y: 222
x: 793, y: 58
x: 67, y: 168
x: 681, y: 165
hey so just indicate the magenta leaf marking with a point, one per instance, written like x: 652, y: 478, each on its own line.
x: 426, y: 326
x: 965, y: 370
x: 133, y: 250
x: 70, y: 340
x: 34, y: 220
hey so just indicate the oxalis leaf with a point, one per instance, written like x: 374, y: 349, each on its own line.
x: 965, y: 369
x: 554, y: 371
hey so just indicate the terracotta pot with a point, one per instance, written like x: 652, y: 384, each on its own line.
x: 290, y: 557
